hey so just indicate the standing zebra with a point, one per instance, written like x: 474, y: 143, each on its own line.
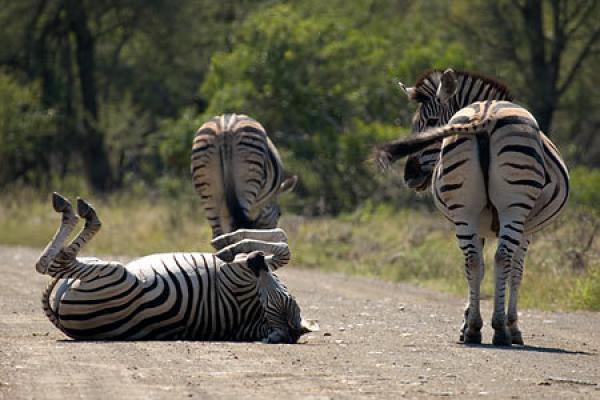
x: 238, y: 173
x: 493, y: 173
x: 192, y: 296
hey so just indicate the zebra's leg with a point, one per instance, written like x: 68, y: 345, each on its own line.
x: 91, y: 227
x: 64, y: 264
x: 278, y: 252
x: 267, y: 235
x: 509, y: 239
x: 472, y: 246
x: 516, y: 274
x: 68, y: 223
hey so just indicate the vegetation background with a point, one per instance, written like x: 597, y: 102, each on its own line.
x: 101, y: 98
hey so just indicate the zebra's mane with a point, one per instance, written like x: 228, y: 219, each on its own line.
x: 429, y: 80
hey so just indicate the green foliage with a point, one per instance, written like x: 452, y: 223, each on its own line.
x: 26, y: 131
x: 585, y: 187
x: 324, y: 91
x: 587, y: 291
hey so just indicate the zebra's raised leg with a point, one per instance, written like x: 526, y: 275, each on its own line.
x: 64, y: 263
x: 472, y: 246
x: 267, y: 235
x: 67, y: 224
x: 91, y: 227
x: 516, y: 274
x: 278, y: 252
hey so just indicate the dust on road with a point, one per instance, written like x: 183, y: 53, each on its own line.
x: 377, y: 340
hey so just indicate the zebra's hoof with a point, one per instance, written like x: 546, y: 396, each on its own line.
x: 517, y: 338
x: 60, y: 203
x: 502, y: 337
x: 472, y: 337
x: 84, y: 210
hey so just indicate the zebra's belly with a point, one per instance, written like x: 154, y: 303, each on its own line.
x: 164, y: 296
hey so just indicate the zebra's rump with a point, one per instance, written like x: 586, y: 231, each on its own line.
x: 165, y: 296
x: 555, y: 192
x: 512, y: 169
x: 235, y: 169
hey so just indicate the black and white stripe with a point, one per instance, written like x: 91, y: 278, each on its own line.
x: 238, y: 173
x: 230, y: 295
x: 493, y: 173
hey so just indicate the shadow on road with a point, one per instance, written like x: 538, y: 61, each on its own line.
x: 537, y: 349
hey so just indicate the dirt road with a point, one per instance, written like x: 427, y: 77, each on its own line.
x: 377, y: 340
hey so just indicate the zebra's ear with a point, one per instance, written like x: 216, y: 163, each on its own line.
x: 288, y: 184
x: 408, y: 91
x: 448, y: 86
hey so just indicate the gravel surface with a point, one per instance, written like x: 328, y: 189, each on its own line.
x: 377, y: 340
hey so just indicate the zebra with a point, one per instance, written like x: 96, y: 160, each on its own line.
x: 231, y: 295
x: 238, y: 173
x: 492, y: 173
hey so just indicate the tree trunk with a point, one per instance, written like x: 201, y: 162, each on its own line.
x: 543, y: 95
x: 93, y: 149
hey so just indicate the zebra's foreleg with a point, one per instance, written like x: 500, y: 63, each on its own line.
x: 516, y: 274
x: 68, y: 223
x: 278, y: 252
x: 267, y: 235
x: 472, y: 247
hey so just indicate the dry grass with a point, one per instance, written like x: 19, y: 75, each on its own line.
x: 562, y: 269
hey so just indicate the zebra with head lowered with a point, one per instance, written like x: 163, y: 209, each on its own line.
x: 238, y: 174
x: 493, y: 173
x: 233, y: 295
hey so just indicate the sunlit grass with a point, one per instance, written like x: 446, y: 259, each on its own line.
x: 416, y: 246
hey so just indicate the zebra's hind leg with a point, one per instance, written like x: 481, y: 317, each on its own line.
x: 472, y: 247
x: 509, y: 239
x: 516, y: 274
x: 65, y: 264
x: 91, y: 227
x: 67, y: 224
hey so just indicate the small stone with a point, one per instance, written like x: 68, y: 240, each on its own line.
x: 326, y: 333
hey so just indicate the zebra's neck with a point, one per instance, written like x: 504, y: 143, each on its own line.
x: 472, y: 89
x: 241, y: 283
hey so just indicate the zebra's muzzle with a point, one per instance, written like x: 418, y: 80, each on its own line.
x: 414, y: 175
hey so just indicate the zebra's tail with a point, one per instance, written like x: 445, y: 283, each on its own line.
x: 50, y: 313
x: 387, y: 153
x: 238, y: 212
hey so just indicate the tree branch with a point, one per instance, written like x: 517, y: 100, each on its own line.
x: 579, y: 60
x: 582, y: 17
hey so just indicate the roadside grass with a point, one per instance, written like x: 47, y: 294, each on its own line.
x: 562, y: 269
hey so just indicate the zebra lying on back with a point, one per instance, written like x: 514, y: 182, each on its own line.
x: 238, y: 174
x: 494, y: 173
x: 230, y: 295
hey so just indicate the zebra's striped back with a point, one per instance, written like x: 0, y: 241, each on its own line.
x: 238, y: 173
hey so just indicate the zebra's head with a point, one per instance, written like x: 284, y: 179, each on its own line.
x: 439, y: 95
x: 246, y: 248
x: 282, y: 312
